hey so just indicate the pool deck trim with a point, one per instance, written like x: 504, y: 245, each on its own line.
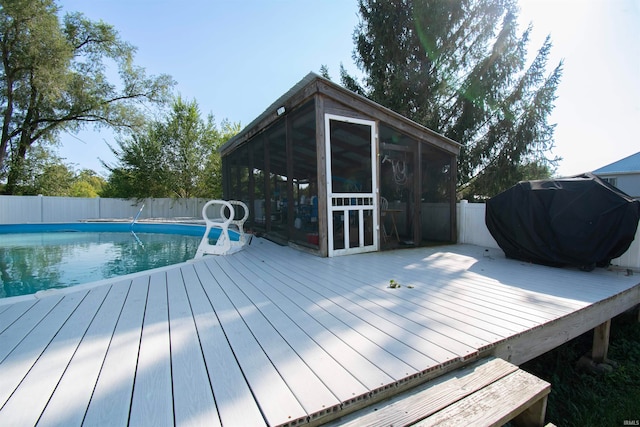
x: 274, y: 336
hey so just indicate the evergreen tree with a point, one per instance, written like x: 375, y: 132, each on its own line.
x: 460, y: 68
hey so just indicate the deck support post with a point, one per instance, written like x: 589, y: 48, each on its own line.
x: 601, y: 342
x: 534, y: 415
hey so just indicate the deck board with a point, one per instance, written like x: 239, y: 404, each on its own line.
x: 380, y: 299
x: 433, y: 299
x: 317, y: 324
x: 340, y: 385
x: 234, y: 400
x: 277, y: 402
x: 71, y: 397
x: 39, y: 383
x: 111, y: 398
x: 152, y: 397
x: 274, y: 336
x: 455, y: 288
x: 9, y: 313
x: 469, y: 292
x: 395, y: 357
x: 17, y: 364
x: 301, y: 380
x: 15, y: 332
x: 193, y: 399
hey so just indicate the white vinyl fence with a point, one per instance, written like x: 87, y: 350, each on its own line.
x: 34, y: 209
x: 472, y: 230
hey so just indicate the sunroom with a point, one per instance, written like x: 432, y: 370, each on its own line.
x: 329, y: 171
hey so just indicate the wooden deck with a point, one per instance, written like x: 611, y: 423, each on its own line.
x: 274, y: 336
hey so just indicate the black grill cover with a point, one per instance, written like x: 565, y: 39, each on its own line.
x: 580, y: 221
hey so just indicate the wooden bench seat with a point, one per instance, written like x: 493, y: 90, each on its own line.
x: 489, y: 392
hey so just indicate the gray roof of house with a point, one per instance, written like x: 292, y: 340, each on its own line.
x: 627, y: 165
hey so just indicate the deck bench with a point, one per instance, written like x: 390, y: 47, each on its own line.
x: 489, y: 392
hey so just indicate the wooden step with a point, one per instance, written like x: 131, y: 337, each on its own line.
x: 489, y: 392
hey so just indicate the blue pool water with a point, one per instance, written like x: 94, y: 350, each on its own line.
x: 37, y: 257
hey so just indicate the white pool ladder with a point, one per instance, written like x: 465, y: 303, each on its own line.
x: 224, y: 245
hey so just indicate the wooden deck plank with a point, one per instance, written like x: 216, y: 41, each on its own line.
x: 591, y: 284
x: 403, y: 302
x: 446, y: 287
x: 301, y: 312
x: 70, y: 400
x: 495, y: 270
x: 111, y: 399
x: 485, y: 286
x: 403, y: 344
x: 277, y: 403
x: 193, y: 399
x: 382, y: 300
x: 317, y: 372
x: 19, y: 329
x: 22, y: 358
x: 235, y: 402
x: 433, y: 304
x: 441, y: 349
x: 152, y: 401
x: 9, y: 313
x: 338, y: 379
x: 429, y: 398
x: 491, y: 406
x: 309, y: 391
x: 337, y: 321
x: 38, y: 385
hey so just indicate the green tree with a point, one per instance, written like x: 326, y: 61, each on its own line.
x: 140, y: 168
x: 176, y: 157
x: 54, y: 79
x: 211, y: 183
x: 47, y: 174
x: 461, y: 69
x: 87, y: 183
x: 82, y: 189
x: 44, y: 173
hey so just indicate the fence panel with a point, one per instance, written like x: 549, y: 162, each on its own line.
x: 66, y: 209
x: 119, y: 208
x: 631, y: 258
x: 471, y: 226
x: 30, y: 209
x: 20, y: 209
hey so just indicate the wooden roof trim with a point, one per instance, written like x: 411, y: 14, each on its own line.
x: 297, y: 95
x: 388, y: 116
x: 313, y: 84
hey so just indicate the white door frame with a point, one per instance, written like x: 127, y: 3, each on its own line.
x: 348, y: 203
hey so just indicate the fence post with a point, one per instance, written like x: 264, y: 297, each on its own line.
x: 40, y: 198
x: 462, y: 229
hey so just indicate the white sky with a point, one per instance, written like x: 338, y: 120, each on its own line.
x: 237, y: 57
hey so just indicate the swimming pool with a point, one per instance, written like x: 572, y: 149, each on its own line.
x: 37, y: 257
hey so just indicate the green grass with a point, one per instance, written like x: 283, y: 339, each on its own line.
x: 579, y: 398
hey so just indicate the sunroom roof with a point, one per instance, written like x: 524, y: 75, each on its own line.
x: 305, y: 88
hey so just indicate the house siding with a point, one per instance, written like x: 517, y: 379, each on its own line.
x: 629, y: 183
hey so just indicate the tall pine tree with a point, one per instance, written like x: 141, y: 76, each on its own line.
x: 460, y: 67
